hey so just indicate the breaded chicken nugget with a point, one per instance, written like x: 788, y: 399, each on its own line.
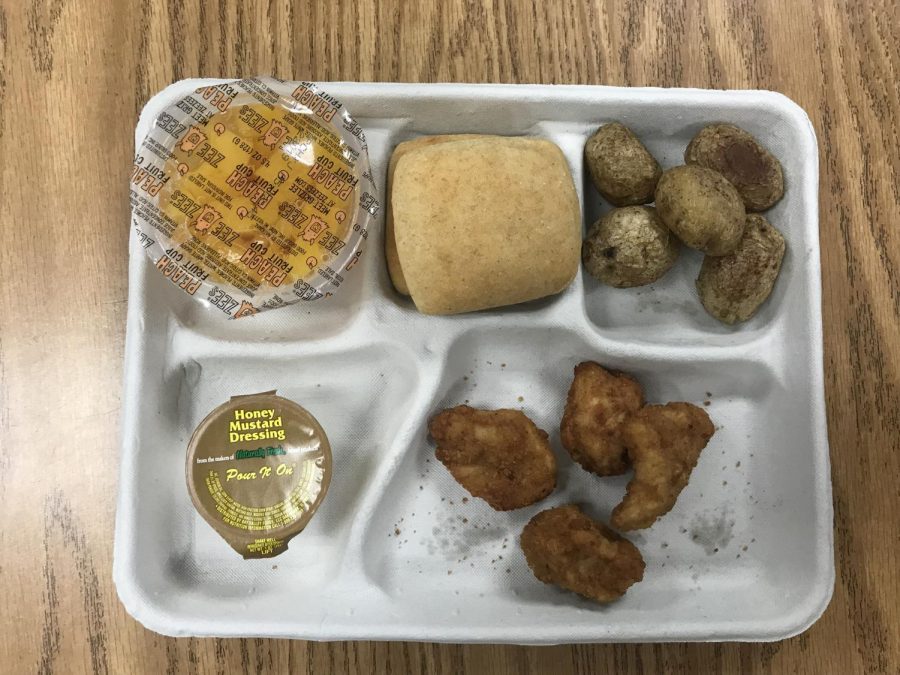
x: 497, y: 455
x: 599, y: 401
x: 563, y: 546
x: 664, y: 443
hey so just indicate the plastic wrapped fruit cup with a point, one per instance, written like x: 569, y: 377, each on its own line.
x: 254, y: 194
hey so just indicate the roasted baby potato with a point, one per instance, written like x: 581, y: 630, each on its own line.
x: 622, y: 169
x: 629, y: 247
x: 702, y: 208
x: 732, y: 287
x: 737, y: 155
x: 563, y: 546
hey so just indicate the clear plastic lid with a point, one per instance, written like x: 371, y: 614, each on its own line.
x: 254, y: 194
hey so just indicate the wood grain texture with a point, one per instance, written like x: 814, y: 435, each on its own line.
x: 73, y: 76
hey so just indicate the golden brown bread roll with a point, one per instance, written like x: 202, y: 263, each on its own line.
x: 390, y: 244
x: 485, y: 222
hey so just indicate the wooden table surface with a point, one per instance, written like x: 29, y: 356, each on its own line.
x: 73, y: 76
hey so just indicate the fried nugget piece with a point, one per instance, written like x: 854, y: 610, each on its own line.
x: 599, y: 401
x: 664, y: 443
x: 563, y: 546
x: 497, y: 455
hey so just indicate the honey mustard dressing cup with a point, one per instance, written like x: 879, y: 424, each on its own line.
x: 258, y: 467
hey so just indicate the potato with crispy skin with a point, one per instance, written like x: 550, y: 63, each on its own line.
x: 622, y: 169
x: 629, y: 247
x: 702, y: 208
x: 732, y: 287
x: 737, y: 155
x: 598, y: 403
x: 563, y: 546
x: 664, y: 443
x: 497, y: 455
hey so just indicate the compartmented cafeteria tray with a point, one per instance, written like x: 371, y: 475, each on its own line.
x: 396, y: 550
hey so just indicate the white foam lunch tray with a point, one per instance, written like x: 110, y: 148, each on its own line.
x: 396, y: 551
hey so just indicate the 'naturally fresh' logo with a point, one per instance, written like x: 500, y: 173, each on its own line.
x: 259, y: 452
